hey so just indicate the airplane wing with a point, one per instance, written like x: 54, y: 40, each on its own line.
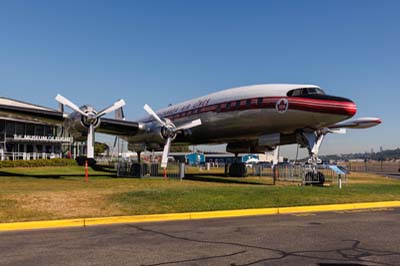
x: 364, y: 122
x: 13, y: 109
x: 118, y: 127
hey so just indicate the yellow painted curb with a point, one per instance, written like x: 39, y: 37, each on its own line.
x: 340, y: 207
x: 40, y: 224
x: 191, y: 215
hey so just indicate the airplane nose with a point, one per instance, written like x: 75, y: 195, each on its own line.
x: 343, y: 105
x: 350, y: 108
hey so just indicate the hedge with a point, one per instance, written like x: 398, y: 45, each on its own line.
x: 38, y: 163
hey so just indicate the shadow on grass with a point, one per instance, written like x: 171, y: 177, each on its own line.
x: 215, y: 178
x: 104, y: 168
x: 55, y: 176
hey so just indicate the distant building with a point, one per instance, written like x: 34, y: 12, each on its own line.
x: 195, y: 158
x: 22, y: 139
x: 230, y: 158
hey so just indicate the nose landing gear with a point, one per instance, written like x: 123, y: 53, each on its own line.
x: 312, y: 140
x: 314, y: 177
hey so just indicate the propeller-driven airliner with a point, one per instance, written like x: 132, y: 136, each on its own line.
x: 249, y: 119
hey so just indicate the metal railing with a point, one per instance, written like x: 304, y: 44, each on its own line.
x: 28, y: 155
x: 296, y: 173
x: 128, y: 168
x: 372, y: 166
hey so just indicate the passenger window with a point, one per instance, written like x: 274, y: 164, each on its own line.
x: 228, y: 106
x: 237, y: 103
x: 248, y: 102
x: 259, y: 101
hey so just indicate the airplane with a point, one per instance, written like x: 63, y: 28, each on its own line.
x: 249, y: 119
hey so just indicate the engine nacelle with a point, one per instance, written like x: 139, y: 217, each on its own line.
x: 152, y: 134
x: 77, y: 124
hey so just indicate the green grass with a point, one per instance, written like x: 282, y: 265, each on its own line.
x: 61, y: 192
x: 225, y: 198
x: 52, y: 171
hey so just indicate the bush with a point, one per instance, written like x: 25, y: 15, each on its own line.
x: 38, y: 163
x: 81, y: 161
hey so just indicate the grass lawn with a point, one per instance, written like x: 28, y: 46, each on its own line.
x: 60, y: 192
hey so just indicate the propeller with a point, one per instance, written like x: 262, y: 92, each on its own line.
x: 92, y: 118
x: 169, y: 131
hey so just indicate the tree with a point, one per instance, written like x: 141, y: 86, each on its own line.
x: 100, y: 148
x: 180, y: 148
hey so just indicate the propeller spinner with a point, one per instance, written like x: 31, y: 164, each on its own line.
x: 91, y: 119
x: 169, y: 131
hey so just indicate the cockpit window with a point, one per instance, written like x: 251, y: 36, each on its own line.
x: 315, y: 91
x: 305, y: 91
x: 297, y: 92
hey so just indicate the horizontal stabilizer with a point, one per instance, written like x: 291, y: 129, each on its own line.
x: 364, y: 122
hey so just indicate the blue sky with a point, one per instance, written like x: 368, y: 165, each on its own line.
x: 161, y: 52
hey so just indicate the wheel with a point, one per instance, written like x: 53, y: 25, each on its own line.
x: 314, y: 178
x: 320, y: 178
x: 309, y: 178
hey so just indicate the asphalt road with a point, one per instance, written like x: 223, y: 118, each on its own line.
x: 368, y: 237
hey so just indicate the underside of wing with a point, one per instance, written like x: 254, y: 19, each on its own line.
x: 118, y: 127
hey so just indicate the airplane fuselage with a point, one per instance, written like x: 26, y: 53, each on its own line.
x: 247, y: 113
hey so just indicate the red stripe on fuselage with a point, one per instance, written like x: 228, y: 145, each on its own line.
x: 295, y: 103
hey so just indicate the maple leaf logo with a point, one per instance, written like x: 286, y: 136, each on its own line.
x: 282, y: 105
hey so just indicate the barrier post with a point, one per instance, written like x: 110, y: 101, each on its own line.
x: 86, y: 172
x: 165, y: 172
x: 181, y: 170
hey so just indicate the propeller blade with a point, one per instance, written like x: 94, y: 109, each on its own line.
x: 90, y: 142
x: 153, y: 114
x: 115, y: 106
x: 164, y: 159
x: 66, y: 102
x: 188, y: 125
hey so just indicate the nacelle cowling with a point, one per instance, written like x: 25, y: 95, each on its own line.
x: 77, y: 124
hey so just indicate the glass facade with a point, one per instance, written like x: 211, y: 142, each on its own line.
x: 2, y: 129
x: 18, y: 141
